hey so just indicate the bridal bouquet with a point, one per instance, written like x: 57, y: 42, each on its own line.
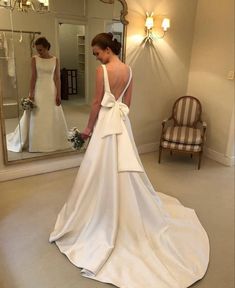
x: 75, y: 137
x: 27, y: 104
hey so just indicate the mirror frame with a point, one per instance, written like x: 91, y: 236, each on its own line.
x: 56, y: 154
x: 123, y: 14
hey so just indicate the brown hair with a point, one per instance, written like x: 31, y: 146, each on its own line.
x: 44, y: 42
x: 105, y: 40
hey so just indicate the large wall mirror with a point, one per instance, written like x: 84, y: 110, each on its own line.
x: 69, y: 27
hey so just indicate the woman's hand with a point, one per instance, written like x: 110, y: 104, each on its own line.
x: 31, y: 97
x: 86, y: 133
x: 57, y: 101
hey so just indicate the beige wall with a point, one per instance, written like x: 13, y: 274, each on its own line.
x: 212, y: 59
x: 161, y: 74
x: 160, y: 70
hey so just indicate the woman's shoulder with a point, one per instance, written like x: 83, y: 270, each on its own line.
x: 100, y: 68
x: 126, y: 67
x: 118, y: 65
x: 33, y: 59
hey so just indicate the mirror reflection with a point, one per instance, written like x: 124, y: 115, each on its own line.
x: 42, y: 127
x: 68, y: 67
x: 75, y: 102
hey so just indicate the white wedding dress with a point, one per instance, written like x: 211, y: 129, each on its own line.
x: 115, y: 226
x: 43, y: 129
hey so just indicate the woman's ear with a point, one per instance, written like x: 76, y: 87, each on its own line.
x: 108, y: 50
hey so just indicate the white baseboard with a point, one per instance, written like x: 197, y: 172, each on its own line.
x: 219, y: 157
x: 39, y: 167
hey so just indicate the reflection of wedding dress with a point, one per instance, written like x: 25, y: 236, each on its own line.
x: 43, y: 129
x: 115, y: 226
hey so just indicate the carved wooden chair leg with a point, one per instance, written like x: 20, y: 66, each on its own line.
x: 199, y: 160
x: 191, y: 155
x: 171, y: 152
x: 160, y: 154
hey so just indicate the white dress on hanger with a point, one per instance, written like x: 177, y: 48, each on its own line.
x: 115, y: 226
x: 43, y: 129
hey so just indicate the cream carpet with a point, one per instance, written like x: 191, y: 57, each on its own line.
x: 29, y: 206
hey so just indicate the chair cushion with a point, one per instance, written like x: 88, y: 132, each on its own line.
x: 178, y: 146
x: 183, y: 135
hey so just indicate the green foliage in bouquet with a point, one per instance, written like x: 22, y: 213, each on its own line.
x: 75, y: 137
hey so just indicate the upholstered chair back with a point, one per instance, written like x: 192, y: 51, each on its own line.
x: 187, y: 111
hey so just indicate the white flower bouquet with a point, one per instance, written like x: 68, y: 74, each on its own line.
x: 27, y: 104
x: 75, y: 137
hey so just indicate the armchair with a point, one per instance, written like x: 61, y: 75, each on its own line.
x: 184, y: 131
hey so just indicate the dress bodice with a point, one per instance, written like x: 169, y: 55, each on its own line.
x: 45, y: 67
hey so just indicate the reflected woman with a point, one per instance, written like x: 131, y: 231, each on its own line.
x: 43, y: 129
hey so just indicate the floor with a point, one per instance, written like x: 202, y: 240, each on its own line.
x: 29, y: 206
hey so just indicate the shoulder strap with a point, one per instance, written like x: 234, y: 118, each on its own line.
x: 106, y: 80
x: 129, y: 81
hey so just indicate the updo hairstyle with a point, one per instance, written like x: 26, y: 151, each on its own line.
x: 105, y: 40
x: 44, y: 42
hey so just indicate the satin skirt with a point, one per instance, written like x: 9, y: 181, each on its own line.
x: 119, y: 230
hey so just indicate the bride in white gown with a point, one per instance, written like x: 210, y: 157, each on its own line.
x: 43, y: 129
x: 114, y: 225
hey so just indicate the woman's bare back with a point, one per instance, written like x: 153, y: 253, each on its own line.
x: 118, y: 76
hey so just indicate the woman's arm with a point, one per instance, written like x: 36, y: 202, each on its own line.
x: 33, y: 79
x: 96, y: 104
x: 128, y: 94
x: 57, y: 83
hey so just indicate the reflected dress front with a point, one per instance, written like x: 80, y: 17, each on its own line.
x: 43, y: 129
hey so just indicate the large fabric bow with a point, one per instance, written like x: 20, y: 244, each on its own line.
x: 115, y: 115
x: 116, y: 112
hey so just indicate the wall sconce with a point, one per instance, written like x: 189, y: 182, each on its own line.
x: 149, y: 24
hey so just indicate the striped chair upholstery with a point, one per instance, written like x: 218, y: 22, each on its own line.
x: 187, y: 111
x: 182, y: 147
x: 184, y: 133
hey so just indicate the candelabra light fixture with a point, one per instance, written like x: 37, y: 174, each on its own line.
x: 151, y: 33
x: 26, y: 5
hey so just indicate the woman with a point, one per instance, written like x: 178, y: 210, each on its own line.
x: 114, y: 225
x: 43, y: 129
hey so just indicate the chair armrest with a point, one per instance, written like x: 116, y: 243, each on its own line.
x: 202, y: 124
x: 165, y: 121
x: 203, y: 127
x: 163, y: 126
